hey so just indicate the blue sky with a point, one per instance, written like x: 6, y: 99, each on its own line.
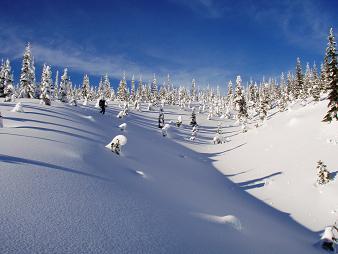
x: 209, y: 40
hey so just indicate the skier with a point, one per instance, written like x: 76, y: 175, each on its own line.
x: 102, y: 104
x: 328, y: 239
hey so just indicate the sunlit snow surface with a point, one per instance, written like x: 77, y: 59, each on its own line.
x: 62, y: 191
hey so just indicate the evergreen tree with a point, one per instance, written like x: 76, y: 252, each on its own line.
x: 154, y: 89
x: 85, y: 87
x: 315, y: 90
x: 100, y: 89
x: 193, y: 90
x: 2, y: 80
x: 282, y: 100
x: 252, y: 95
x: 239, y: 101
x: 112, y: 94
x: 298, y: 85
x: 8, y: 80
x: 27, y: 82
x: 107, y: 88
x: 307, y: 82
x: 230, y: 95
x: 263, y: 107
x: 333, y: 79
x: 289, y: 85
x: 193, y: 121
x: 56, y: 85
x: 326, y: 73
x: 168, y: 83
x: 132, y: 90
x: 162, y: 93
x: 35, y: 84
x: 122, y: 89
x: 64, y: 86
x: 46, y: 82
x: 139, y: 91
x: 322, y: 78
x: 322, y: 173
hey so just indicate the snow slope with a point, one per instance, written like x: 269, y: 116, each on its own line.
x: 277, y: 161
x: 62, y: 191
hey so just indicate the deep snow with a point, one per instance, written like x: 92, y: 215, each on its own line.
x: 62, y: 191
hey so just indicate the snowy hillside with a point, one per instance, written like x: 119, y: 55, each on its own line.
x: 63, y: 191
x: 276, y: 162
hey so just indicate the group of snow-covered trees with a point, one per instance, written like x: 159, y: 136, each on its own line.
x: 241, y: 102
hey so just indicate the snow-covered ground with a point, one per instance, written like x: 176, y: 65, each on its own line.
x: 63, y: 191
x: 277, y: 162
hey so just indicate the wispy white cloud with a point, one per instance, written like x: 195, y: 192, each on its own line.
x: 80, y: 60
x: 303, y: 23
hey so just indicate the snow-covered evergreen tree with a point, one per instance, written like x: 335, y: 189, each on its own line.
x: 27, y: 82
x: 322, y: 78
x: 154, y: 89
x: 2, y: 79
x: 193, y: 90
x: 322, y: 173
x: 263, y: 106
x: 132, y: 89
x: 64, y: 86
x: 239, y: 101
x: 85, y: 87
x: 230, y: 95
x: 46, y: 82
x: 139, y: 91
x: 122, y: 89
x: 326, y: 73
x: 332, y: 79
x: 315, y: 89
x: 193, y: 121
x: 56, y: 85
x: 107, y: 88
x: 289, y: 85
x: 282, y: 102
x: 36, y: 85
x: 7, y: 80
x: 112, y: 94
x: 101, y: 89
x: 307, y: 82
x: 298, y: 85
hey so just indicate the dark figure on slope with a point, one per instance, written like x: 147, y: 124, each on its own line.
x: 102, y: 104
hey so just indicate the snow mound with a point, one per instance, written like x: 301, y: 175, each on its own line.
x: 123, y: 126
x: 166, y: 127
x: 120, y: 114
x: 18, y: 108
x: 227, y: 219
x: 141, y: 173
x: 90, y: 118
x: 121, y: 138
x: 292, y: 122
